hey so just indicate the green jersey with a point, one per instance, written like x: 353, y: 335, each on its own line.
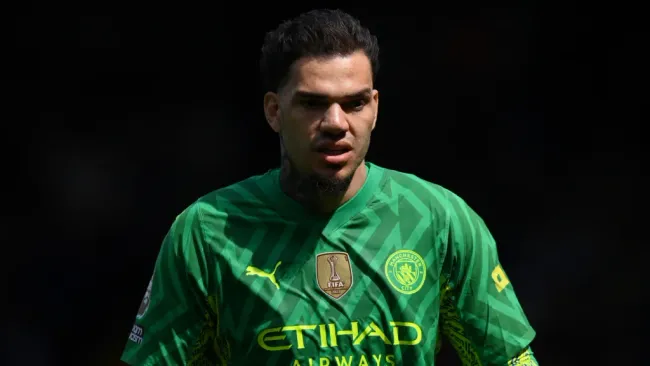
x: 246, y: 276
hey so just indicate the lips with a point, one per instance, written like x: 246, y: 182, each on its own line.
x: 333, y: 151
x: 335, y: 154
x: 337, y: 148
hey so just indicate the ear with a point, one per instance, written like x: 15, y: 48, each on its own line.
x: 272, y: 110
x: 375, y: 102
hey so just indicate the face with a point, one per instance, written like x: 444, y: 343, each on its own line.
x: 325, y: 115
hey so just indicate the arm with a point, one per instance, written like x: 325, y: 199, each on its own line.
x: 177, y: 322
x: 480, y: 314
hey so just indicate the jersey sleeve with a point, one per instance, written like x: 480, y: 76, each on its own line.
x: 177, y: 321
x: 480, y: 314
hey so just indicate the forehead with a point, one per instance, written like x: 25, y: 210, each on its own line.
x: 332, y: 75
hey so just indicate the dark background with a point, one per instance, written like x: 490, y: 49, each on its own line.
x: 132, y: 112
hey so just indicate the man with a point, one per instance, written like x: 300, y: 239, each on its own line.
x: 329, y: 260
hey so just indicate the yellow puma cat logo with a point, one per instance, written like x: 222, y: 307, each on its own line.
x: 250, y: 271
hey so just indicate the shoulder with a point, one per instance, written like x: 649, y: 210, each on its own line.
x: 447, y: 209
x: 439, y: 199
x: 242, y: 198
x: 250, y: 191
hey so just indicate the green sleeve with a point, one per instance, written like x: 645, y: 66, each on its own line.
x: 176, y: 323
x: 480, y: 313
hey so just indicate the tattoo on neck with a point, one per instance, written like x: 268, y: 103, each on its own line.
x: 292, y: 184
x: 314, y: 192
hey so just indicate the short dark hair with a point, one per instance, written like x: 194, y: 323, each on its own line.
x: 313, y: 34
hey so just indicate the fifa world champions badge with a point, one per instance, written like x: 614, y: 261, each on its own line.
x: 334, y: 273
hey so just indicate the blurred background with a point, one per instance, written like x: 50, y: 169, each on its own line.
x: 132, y: 111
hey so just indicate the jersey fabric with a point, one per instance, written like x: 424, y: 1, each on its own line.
x: 246, y: 276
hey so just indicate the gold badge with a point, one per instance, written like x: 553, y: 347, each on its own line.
x: 334, y: 273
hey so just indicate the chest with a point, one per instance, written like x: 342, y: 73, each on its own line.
x: 299, y: 295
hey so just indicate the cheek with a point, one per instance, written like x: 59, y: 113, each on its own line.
x: 301, y: 126
x: 297, y: 137
x: 362, y: 127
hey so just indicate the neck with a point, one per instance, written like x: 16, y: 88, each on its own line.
x: 313, y: 197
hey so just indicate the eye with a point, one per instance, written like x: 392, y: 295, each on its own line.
x: 354, y: 105
x: 313, y: 103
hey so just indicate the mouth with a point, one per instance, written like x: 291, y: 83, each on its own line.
x: 335, y: 156
x: 333, y: 151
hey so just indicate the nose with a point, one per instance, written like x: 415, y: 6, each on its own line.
x: 335, y: 120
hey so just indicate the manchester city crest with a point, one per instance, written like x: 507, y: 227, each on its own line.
x: 406, y: 271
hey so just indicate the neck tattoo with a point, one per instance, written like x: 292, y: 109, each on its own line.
x: 313, y: 192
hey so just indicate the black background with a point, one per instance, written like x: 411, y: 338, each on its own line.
x: 132, y: 111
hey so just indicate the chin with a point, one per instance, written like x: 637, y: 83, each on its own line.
x: 332, y: 179
x: 342, y: 172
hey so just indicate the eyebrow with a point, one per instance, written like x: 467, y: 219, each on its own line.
x: 310, y: 95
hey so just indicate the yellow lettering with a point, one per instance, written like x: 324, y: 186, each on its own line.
x: 323, y: 335
x: 398, y: 341
x: 262, y: 339
x: 333, y: 333
x: 343, y: 361
x: 374, y: 331
x: 390, y: 359
x: 279, y: 338
x: 500, y: 279
x: 299, y: 336
x: 363, y: 361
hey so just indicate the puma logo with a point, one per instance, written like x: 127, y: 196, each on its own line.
x: 250, y: 271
